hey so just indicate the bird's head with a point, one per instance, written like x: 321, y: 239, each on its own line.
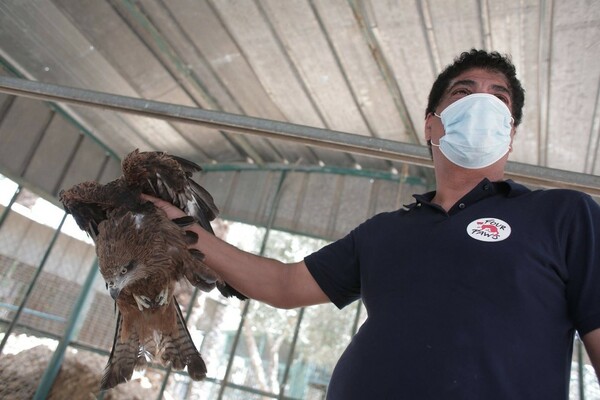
x: 124, y: 252
x: 119, y: 277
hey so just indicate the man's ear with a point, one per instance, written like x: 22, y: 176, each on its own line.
x: 427, y: 130
x: 513, y: 132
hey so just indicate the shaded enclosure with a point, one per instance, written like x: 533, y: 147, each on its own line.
x: 331, y: 95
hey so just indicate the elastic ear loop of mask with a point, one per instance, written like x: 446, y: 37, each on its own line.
x: 431, y: 141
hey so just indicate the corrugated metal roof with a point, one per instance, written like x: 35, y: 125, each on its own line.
x: 362, y: 67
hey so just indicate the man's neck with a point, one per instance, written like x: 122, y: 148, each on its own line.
x: 451, y: 186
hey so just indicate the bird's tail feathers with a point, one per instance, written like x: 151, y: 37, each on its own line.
x: 179, y: 350
x: 124, y: 358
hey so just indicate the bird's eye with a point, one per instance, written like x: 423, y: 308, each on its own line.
x: 126, y: 268
x: 106, y: 284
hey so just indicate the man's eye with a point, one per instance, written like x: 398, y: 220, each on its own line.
x: 461, y: 92
x: 503, y: 99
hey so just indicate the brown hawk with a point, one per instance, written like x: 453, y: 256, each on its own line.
x: 142, y: 255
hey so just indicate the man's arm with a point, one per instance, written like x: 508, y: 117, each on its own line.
x: 270, y: 281
x: 592, y: 345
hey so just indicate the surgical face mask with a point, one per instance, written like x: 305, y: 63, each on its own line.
x: 477, y: 131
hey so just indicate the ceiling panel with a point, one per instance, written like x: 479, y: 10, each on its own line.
x: 574, y: 85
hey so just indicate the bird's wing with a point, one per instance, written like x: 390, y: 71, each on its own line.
x: 88, y: 203
x: 202, y: 202
x: 202, y: 277
x: 170, y: 178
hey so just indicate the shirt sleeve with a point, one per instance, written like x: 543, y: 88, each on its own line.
x: 583, y: 264
x: 336, y: 268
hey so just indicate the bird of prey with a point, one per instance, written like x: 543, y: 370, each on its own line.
x: 142, y: 255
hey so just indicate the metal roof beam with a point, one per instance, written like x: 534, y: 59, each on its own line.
x: 370, y: 146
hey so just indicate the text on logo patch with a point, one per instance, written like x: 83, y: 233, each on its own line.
x: 488, y: 229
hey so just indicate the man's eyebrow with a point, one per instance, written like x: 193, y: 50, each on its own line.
x: 502, y: 88
x: 463, y: 82
x: 472, y: 83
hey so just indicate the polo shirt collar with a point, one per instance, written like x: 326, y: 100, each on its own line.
x: 483, y: 189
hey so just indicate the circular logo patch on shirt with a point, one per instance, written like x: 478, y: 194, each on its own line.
x: 488, y: 229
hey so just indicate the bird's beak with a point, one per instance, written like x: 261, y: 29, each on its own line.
x: 114, y: 292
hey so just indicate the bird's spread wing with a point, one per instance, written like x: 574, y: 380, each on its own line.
x: 154, y: 173
x: 170, y: 178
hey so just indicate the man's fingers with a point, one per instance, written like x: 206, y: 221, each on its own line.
x: 152, y: 199
x: 160, y: 203
x: 168, y: 208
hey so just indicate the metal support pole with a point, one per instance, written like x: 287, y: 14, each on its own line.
x: 352, y: 143
x: 13, y: 323
x: 288, y: 365
x: 7, y: 210
x: 236, y: 340
x: 73, y: 326
x: 263, y: 247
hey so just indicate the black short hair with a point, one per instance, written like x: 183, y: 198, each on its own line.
x: 492, y: 61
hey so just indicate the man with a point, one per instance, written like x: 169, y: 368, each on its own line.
x: 472, y: 292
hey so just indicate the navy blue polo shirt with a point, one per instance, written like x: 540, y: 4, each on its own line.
x: 480, y: 302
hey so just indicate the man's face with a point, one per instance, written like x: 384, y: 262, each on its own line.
x: 475, y: 80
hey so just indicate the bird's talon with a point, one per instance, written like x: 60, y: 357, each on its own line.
x: 142, y: 302
x: 162, y: 297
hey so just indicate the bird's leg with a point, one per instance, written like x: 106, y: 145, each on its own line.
x: 142, y: 301
x: 145, y: 302
x: 163, y: 297
x: 152, y: 186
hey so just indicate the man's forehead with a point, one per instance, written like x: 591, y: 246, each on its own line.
x: 480, y: 75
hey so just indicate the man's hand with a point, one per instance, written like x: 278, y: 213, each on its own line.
x: 169, y: 209
x: 264, y: 279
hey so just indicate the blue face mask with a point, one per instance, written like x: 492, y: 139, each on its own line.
x: 477, y: 131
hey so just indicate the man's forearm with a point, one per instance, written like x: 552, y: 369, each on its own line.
x: 270, y: 281
x: 592, y: 345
